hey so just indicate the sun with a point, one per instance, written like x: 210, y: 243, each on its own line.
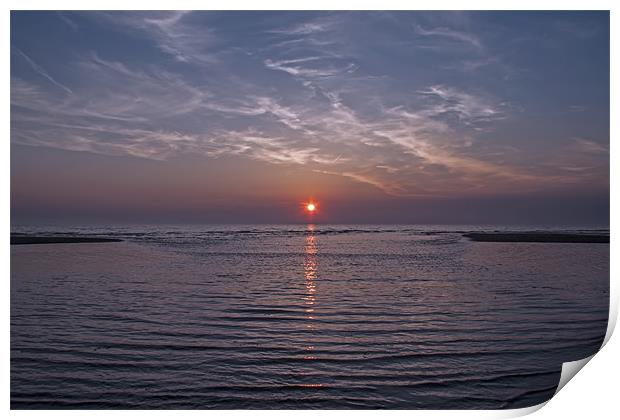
x: 310, y: 207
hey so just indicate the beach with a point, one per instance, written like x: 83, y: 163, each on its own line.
x: 540, y: 237
x: 33, y: 240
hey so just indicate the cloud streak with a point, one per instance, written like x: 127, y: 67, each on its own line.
x: 41, y: 71
x: 450, y: 34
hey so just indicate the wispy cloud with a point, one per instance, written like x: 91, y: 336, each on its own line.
x: 74, y: 26
x: 184, y: 41
x: 469, y: 108
x: 41, y: 71
x: 450, y: 34
x: 308, y: 72
x: 385, y: 186
x: 576, y: 108
x: 321, y: 93
x: 276, y: 150
x: 104, y: 139
x: 589, y: 146
x: 306, y: 28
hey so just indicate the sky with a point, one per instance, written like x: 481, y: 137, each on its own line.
x: 379, y: 117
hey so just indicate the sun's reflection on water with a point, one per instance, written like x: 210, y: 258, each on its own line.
x: 310, y: 273
x: 311, y: 277
x: 311, y: 266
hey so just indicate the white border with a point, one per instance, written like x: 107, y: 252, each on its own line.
x: 590, y: 395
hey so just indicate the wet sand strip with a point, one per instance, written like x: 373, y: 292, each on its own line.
x: 576, y: 238
x: 35, y: 240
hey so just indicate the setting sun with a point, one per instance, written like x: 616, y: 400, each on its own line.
x: 311, y: 207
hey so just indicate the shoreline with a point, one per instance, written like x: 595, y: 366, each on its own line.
x: 40, y: 240
x: 538, y: 237
x: 507, y: 237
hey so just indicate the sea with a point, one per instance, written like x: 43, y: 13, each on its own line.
x: 306, y: 316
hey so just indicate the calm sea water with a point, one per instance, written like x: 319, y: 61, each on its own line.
x: 266, y: 317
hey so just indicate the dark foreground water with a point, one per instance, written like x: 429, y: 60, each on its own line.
x: 300, y: 317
